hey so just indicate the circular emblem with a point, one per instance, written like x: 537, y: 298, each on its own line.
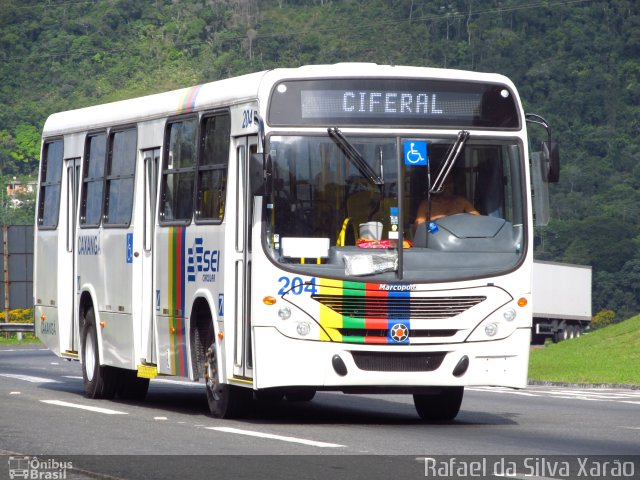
x: 399, y: 332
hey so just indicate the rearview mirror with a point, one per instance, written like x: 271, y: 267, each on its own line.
x: 260, y: 174
x: 551, y: 162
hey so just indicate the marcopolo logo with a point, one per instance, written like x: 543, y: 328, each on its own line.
x: 202, y: 262
x: 38, y: 469
x: 396, y: 288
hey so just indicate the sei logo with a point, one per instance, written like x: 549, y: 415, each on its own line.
x: 202, y: 261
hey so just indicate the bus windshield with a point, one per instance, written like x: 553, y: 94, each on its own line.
x: 330, y: 216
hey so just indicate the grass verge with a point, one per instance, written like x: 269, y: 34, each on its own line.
x: 11, y: 339
x: 608, y: 355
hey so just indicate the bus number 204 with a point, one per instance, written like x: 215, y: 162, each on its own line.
x: 297, y: 285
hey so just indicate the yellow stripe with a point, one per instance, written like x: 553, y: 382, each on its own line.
x: 329, y: 319
x: 242, y: 380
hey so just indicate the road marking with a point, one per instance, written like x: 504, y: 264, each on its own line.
x: 501, y: 390
x: 270, y: 436
x: 28, y: 378
x: 107, y: 411
x: 14, y: 393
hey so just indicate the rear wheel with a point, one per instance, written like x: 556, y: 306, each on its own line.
x: 439, y: 406
x: 225, y: 401
x: 99, y: 381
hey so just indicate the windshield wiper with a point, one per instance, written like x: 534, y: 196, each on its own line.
x: 354, y: 155
x: 447, y: 165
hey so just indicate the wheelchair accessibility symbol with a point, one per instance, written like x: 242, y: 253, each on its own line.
x: 415, y: 152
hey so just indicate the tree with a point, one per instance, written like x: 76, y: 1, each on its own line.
x: 27, y: 148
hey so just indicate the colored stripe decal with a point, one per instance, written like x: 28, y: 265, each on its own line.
x: 188, y: 101
x: 176, y: 300
x: 361, y: 296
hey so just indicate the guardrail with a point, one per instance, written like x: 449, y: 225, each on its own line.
x: 17, y: 327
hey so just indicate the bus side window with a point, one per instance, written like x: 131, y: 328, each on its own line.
x: 212, y: 167
x: 93, y: 181
x: 178, y: 171
x: 119, y: 184
x: 51, y: 177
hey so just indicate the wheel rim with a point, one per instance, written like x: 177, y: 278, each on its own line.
x: 89, y: 357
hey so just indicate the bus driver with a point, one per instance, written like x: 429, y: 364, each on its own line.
x: 443, y: 204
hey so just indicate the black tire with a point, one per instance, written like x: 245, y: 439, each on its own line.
x: 132, y: 387
x: 300, y: 395
x: 99, y: 381
x: 225, y: 401
x: 441, y: 406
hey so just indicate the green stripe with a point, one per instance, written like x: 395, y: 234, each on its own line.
x: 353, y: 339
x: 352, y: 322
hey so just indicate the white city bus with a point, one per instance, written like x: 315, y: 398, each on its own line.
x: 258, y: 233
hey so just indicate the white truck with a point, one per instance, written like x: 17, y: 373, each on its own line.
x: 561, y: 301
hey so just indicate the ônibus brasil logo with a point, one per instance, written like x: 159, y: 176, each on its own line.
x: 35, y: 468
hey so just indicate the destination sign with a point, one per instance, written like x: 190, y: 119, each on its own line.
x: 393, y: 102
x: 328, y: 103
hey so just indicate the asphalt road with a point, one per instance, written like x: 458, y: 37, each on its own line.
x: 44, y: 413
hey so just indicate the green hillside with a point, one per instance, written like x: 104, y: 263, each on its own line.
x: 608, y: 355
x: 576, y: 62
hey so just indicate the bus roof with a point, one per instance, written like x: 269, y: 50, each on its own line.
x: 232, y: 91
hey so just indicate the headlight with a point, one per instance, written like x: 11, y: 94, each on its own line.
x: 284, y: 313
x: 509, y: 314
x: 491, y: 329
x: 303, y: 329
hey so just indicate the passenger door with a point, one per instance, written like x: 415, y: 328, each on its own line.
x: 151, y: 165
x: 70, y: 339
x: 243, y: 357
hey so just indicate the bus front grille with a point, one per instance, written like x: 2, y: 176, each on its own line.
x: 414, y: 333
x: 398, y: 361
x: 418, y: 308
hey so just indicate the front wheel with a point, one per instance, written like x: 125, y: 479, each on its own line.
x: 99, y: 381
x: 441, y: 406
x: 225, y: 401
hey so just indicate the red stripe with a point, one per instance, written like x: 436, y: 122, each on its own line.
x: 179, y: 272
x: 376, y: 340
x: 374, y: 290
x: 376, y: 323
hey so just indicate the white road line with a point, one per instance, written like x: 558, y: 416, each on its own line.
x: 107, y: 411
x: 496, y: 390
x: 270, y: 436
x: 29, y: 378
x: 629, y: 401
